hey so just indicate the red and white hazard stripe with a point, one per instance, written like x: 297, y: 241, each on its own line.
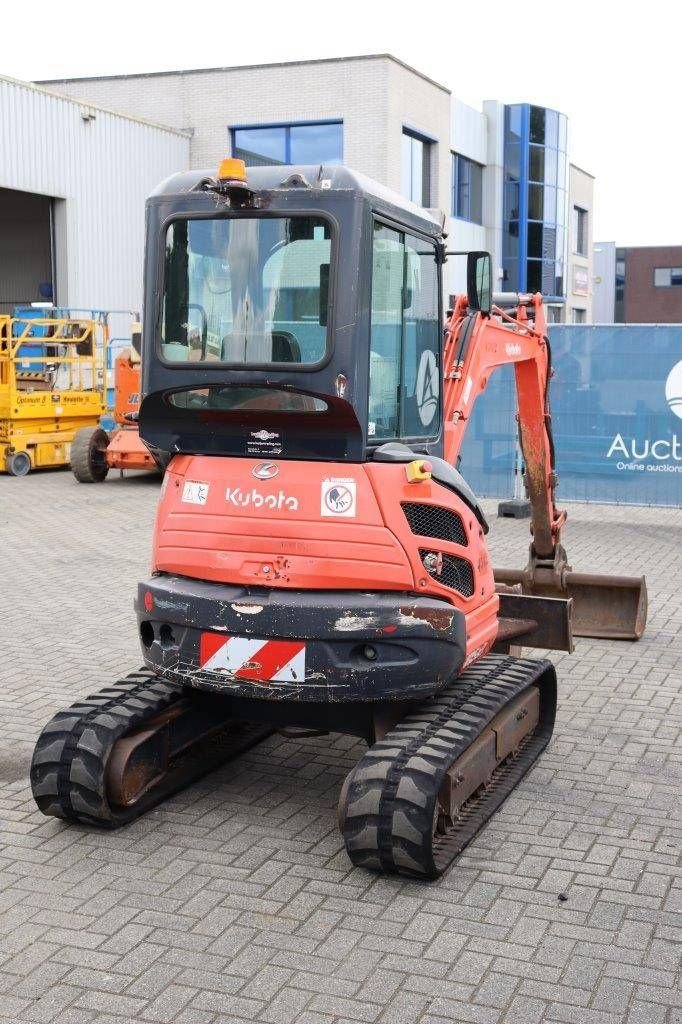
x: 260, y: 661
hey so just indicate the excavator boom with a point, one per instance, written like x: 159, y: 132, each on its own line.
x: 612, y: 607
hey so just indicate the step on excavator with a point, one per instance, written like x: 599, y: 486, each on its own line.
x: 319, y: 564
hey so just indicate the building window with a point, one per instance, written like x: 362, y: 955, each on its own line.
x: 667, y: 277
x: 579, y: 316
x: 313, y: 142
x: 416, y: 168
x: 579, y: 228
x: 535, y: 228
x: 467, y: 189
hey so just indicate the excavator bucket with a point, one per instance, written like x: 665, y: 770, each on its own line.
x: 607, y: 607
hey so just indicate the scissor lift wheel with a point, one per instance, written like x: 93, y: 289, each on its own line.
x: 18, y: 464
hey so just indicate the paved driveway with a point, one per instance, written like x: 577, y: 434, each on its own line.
x: 235, y: 900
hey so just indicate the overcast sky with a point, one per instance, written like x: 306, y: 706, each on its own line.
x: 616, y: 74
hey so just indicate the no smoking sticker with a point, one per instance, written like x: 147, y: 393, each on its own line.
x: 338, y: 497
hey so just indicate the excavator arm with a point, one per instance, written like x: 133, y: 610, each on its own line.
x: 476, y: 344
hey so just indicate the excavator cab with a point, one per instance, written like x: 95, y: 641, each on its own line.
x: 304, y: 306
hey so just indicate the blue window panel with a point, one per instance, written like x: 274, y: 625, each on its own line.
x: 537, y: 163
x: 550, y: 211
x: 316, y: 143
x: 551, y: 129
x: 535, y: 202
x: 514, y: 123
x: 535, y: 240
x: 563, y: 132
x: 467, y: 189
x: 537, y: 125
x: 551, y: 162
x: 300, y: 143
x: 511, y: 240
x: 512, y: 162
x: 261, y: 147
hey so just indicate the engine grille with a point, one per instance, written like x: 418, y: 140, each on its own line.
x: 455, y: 573
x: 434, y: 521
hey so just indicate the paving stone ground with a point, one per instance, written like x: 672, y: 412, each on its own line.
x: 235, y: 901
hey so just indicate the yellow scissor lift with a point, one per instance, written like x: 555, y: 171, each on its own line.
x: 52, y: 383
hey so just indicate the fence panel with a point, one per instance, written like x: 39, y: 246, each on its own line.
x: 617, y: 411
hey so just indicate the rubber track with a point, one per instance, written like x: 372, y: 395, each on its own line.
x: 391, y: 802
x: 68, y: 770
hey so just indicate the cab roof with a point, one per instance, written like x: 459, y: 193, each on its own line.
x: 318, y: 178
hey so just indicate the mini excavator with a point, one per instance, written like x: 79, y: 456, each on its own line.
x: 319, y: 564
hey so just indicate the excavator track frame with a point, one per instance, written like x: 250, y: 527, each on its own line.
x: 392, y: 812
x: 71, y: 770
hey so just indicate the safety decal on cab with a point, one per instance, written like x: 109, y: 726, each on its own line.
x: 194, y: 492
x: 338, y: 497
x: 256, y: 661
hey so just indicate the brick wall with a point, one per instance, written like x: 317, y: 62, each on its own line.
x: 644, y: 302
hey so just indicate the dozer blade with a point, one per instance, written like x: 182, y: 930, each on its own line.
x: 607, y: 607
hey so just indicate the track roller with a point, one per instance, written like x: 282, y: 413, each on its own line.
x: 109, y: 758
x: 421, y: 794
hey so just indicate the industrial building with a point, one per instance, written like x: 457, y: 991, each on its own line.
x: 501, y: 174
x: 73, y: 181
x: 637, y: 284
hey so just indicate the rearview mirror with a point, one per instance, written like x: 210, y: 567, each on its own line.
x: 479, y: 286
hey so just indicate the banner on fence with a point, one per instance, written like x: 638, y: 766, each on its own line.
x: 616, y: 399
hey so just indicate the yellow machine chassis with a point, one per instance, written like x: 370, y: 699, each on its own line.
x: 45, y: 398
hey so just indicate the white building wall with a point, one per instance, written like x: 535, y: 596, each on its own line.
x: 468, y: 137
x: 468, y: 132
x: 99, y: 172
x: 604, y: 293
x: 580, y: 193
x: 418, y: 104
x: 364, y: 93
x: 493, y: 188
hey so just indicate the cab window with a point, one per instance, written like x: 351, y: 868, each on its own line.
x: 405, y: 342
x: 246, y: 291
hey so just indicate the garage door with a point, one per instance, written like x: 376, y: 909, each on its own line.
x: 26, y: 271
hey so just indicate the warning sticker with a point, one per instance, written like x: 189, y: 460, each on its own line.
x: 338, y: 497
x: 194, y: 492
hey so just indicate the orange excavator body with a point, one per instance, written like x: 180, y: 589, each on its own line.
x: 232, y: 539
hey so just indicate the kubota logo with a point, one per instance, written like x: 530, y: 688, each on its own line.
x: 254, y: 499
x: 265, y: 470
x: 512, y: 349
x: 673, y: 389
